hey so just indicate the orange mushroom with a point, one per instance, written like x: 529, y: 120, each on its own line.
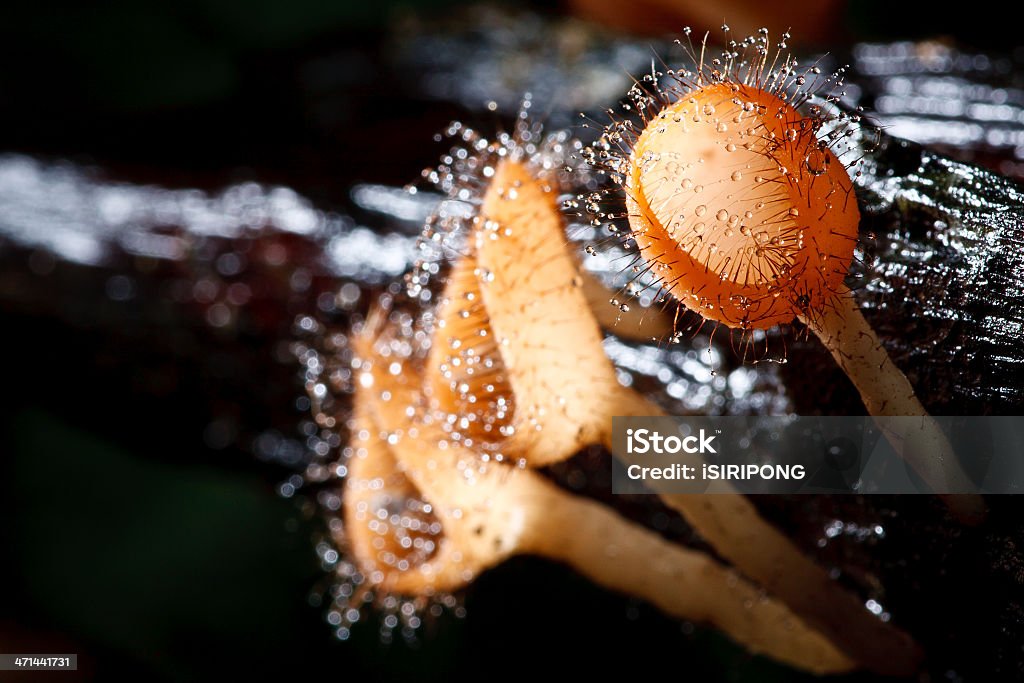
x: 748, y: 217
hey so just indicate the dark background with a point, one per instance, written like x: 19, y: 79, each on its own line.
x: 127, y: 533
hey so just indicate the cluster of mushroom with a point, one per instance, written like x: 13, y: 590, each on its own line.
x: 738, y: 203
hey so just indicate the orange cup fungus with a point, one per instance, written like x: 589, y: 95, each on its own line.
x: 750, y: 219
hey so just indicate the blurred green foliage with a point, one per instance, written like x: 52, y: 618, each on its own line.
x: 148, y: 558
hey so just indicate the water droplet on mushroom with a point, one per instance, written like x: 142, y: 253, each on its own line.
x: 817, y: 162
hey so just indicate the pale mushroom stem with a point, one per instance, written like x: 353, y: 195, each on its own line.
x: 887, y: 392
x: 768, y: 557
x: 732, y: 525
x: 619, y: 555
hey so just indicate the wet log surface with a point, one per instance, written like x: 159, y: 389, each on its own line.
x: 166, y: 317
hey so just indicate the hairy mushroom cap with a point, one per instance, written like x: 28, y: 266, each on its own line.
x: 748, y: 218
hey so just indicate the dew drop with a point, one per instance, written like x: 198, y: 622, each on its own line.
x: 817, y: 162
x: 736, y: 175
x: 722, y: 215
x: 700, y: 210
